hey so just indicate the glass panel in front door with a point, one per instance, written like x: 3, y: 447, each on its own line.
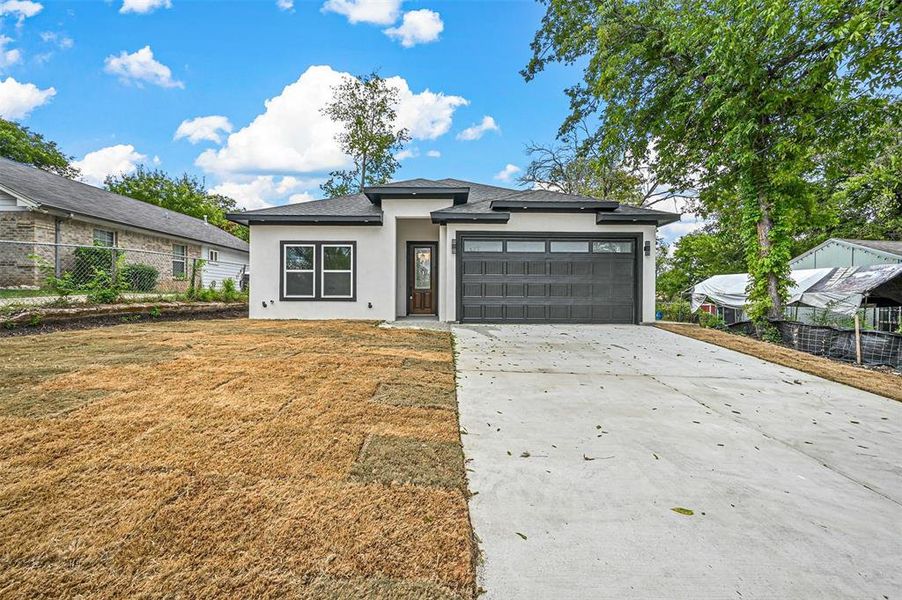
x: 422, y: 259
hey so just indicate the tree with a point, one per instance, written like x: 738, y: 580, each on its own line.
x: 574, y: 165
x: 736, y: 98
x: 365, y: 107
x: 697, y: 256
x: 22, y: 145
x: 184, y: 194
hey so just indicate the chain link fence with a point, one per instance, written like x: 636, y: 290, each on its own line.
x: 30, y: 269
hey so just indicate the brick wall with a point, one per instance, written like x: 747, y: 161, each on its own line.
x: 35, y: 229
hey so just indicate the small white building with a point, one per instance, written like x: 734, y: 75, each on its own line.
x: 457, y: 251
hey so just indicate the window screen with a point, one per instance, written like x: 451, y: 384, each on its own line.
x: 179, y: 260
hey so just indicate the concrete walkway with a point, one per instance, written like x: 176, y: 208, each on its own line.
x: 580, y: 441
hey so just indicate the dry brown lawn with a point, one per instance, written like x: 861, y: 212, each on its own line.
x: 232, y: 458
x: 869, y: 380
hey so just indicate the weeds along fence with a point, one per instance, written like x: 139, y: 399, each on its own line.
x: 33, y: 269
x: 878, y: 348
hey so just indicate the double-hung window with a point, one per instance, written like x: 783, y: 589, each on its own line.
x: 104, y: 237
x: 299, y: 277
x: 179, y: 260
x: 318, y: 270
x: 338, y: 271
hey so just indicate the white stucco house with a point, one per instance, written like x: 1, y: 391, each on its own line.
x: 455, y: 250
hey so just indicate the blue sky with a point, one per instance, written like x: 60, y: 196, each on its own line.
x: 113, y: 81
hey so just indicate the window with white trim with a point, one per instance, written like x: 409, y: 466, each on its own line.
x: 179, y: 260
x: 213, y: 255
x: 104, y: 237
x: 338, y: 271
x: 299, y: 277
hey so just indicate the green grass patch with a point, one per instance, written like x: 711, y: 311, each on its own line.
x: 392, y: 459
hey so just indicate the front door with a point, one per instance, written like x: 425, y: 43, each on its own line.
x: 422, y: 279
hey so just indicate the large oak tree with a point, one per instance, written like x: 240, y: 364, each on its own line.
x: 739, y: 99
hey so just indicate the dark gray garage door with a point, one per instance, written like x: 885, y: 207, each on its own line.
x: 547, y: 280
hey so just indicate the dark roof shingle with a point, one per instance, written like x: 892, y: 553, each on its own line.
x: 56, y: 192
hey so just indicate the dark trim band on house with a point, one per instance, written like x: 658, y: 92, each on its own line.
x: 304, y: 219
x: 561, y: 206
x: 316, y: 270
x: 377, y: 193
x: 652, y: 218
x: 503, y: 254
x: 439, y: 217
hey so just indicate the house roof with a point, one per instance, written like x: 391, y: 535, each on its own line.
x: 480, y: 202
x: 889, y: 248
x: 50, y: 191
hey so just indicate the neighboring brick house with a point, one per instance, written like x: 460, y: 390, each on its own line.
x: 48, y: 215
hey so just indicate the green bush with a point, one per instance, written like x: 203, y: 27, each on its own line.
x: 140, y: 277
x: 106, y: 285
x: 229, y: 292
x: 768, y: 332
x: 678, y: 310
x: 706, y: 319
x: 89, y: 260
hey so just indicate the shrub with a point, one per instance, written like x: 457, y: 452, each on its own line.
x: 678, y: 310
x: 768, y: 332
x: 140, y: 277
x: 89, y: 260
x: 229, y: 291
x: 107, y: 285
x: 706, y: 319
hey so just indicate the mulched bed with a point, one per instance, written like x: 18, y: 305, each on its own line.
x: 81, y: 321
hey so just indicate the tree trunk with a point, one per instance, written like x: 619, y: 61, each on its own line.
x: 765, y: 224
x: 363, y: 171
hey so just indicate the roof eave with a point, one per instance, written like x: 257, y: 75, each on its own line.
x: 658, y: 220
x: 251, y: 219
x: 377, y: 193
x: 558, y: 206
x: 440, y: 218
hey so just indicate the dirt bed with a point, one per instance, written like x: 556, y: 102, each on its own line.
x: 883, y: 382
x: 231, y: 458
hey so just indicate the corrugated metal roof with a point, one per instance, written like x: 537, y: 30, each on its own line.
x: 48, y: 190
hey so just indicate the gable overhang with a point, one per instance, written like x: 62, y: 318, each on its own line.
x: 251, y: 219
x: 657, y: 219
x: 549, y: 206
x: 378, y: 193
x: 441, y: 218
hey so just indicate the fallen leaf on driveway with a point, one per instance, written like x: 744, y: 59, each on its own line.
x: 683, y: 511
x: 520, y: 534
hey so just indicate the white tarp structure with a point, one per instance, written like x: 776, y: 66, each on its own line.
x: 839, y: 290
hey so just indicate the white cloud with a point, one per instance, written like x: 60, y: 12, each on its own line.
x: 285, y: 4
x: 689, y: 223
x: 378, y: 12
x: 418, y: 27
x: 63, y: 41
x: 293, y: 136
x: 434, y: 154
x: 426, y: 115
x: 121, y: 159
x: 507, y: 172
x: 142, y: 7
x: 17, y: 100
x: 264, y: 191
x: 8, y: 57
x: 22, y: 9
x: 477, y: 130
x: 203, y: 128
x: 140, y: 67
x: 407, y: 153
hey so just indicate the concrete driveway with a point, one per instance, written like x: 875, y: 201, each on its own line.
x: 581, y: 440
